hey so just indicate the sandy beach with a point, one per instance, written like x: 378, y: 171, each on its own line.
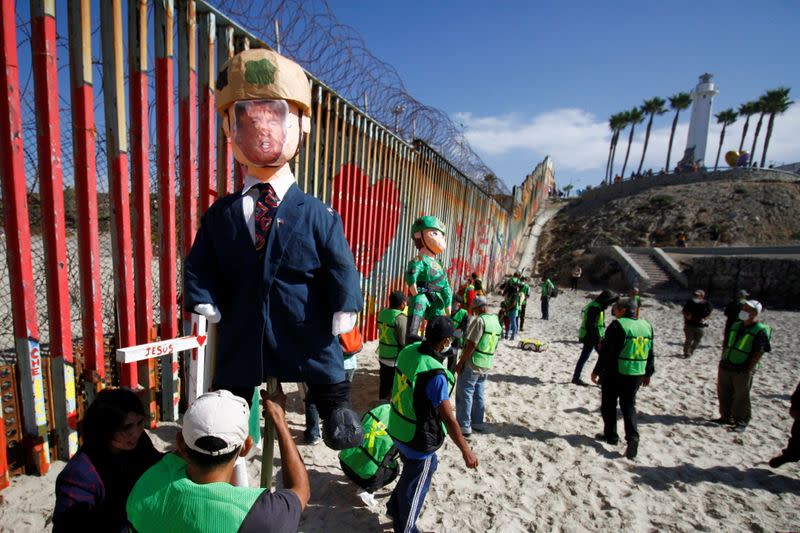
x: 541, y: 468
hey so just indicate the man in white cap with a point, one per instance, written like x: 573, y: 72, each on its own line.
x: 191, y: 490
x: 747, y: 341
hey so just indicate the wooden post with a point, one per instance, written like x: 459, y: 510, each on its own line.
x: 18, y: 244
x: 165, y: 158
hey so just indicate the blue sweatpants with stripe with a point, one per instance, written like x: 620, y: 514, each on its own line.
x: 405, y: 504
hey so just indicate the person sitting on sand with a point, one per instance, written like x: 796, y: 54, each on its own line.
x: 791, y: 453
x: 626, y: 362
x: 747, y: 341
x: 94, y: 486
x: 191, y: 490
x: 420, y: 413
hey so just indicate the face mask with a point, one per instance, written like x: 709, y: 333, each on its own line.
x: 744, y: 315
x: 696, y: 300
x: 447, y: 346
x: 265, y: 133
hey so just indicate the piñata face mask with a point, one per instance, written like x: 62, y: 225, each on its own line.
x: 434, y: 240
x: 265, y: 133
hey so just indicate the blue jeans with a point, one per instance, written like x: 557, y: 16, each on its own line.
x: 469, y: 398
x: 405, y: 503
x: 512, y: 325
x: 585, y: 353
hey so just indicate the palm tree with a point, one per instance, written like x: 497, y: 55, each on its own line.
x: 745, y: 110
x: 635, y: 116
x: 617, y: 123
x: 759, y: 109
x: 652, y: 107
x: 776, y: 102
x: 678, y: 102
x: 726, y: 118
x: 567, y: 189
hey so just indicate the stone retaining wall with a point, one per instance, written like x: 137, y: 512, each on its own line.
x: 773, y: 281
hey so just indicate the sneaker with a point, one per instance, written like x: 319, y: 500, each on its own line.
x: 580, y: 382
x: 312, y: 441
x: 467, y: 432
x: 632, y: 450
x: 602, y: 437
x: 721, y: 420
x: 739, y: 428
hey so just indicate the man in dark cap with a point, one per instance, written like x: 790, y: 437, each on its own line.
x: 732, y: 310
x: 626, y: 362
x: 420, y: 413
x: 593, y: 325
x: 695, y: 313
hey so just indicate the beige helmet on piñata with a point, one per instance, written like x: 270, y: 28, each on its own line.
x: 260, y: 74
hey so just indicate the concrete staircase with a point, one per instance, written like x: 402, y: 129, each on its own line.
x: 661, y: 282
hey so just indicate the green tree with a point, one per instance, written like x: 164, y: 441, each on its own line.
x: 617, y: 123
x: 726, y: 118
x: 635, y: 116
x: 761, y: 111
x: 746, y: 110
x: 651, y: 107
x: 776, y: 102
x: 567, y: 190
x: 677, y: 102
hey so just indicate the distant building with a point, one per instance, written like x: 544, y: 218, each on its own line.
x: 702, y: 99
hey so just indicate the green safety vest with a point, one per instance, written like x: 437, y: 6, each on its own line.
x: 388, y: 345
x: 546, y: 287
x: 739, y: 347
x: 460, y: 323
x: 632, y: 359
x: 601, y: 320
x: 404, y: 425
x: 165, y: 499
x: 483, y: 356
x: 365, y: 461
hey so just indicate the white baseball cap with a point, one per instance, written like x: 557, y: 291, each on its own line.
x: 755, y: 305
x: 219, y: 414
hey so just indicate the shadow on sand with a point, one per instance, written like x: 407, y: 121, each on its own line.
x: 504, y: 430
x: 664, y: 478
x: 518, y: 380
x: 334, y: 500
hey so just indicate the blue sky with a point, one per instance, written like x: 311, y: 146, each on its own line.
x: 528, y: 79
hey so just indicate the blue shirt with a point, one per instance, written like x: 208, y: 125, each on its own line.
x: 437, y: 392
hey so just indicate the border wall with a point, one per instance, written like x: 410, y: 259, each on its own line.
x: 106, y: 168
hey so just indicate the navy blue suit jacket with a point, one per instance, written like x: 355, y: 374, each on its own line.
x: 276, y: 314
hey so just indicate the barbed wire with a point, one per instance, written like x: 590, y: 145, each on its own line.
x: 337, y: 54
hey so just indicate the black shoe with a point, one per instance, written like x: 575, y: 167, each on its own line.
x: 781, y: 460
x: 602, y: 437
x: 725, y: 421
x: 579, y: 381
x: 632, y: 450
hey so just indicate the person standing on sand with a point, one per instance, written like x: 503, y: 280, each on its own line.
x: 626, y: 362
x: 576, y: 277
x: 791, y: 453
x: 420, y: 413
x: 548, y: 290
x: 633, y: 294
x: 593, y: 325
x: 695, y: 313
x: 747, y: 341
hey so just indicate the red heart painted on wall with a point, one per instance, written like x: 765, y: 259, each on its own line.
x: 370, y: 214
x: 201, y: 339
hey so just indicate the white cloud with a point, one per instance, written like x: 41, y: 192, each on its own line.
x: 577, y: 140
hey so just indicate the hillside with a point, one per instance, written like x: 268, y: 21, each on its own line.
x: 736, y: 212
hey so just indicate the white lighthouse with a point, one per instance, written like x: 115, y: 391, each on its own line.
x: 702, y: 98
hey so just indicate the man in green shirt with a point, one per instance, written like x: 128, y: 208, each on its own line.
x: 191, y: 490
x: 548, y: 290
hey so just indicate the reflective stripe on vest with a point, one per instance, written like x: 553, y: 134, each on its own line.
x: 364, y: 460
x: 739, y: 347
x: 388, y: 346
x: 411, y: 364
x: 601, y: 320
x: 632, y: 359
x: 483, y: 356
